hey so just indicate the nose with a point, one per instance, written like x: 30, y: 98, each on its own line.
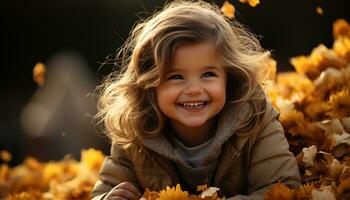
x: 193, y: 88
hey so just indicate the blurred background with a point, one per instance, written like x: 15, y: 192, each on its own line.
x: 74, y: 37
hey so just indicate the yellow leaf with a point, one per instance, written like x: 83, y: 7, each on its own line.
x: 39, y: 72
x: 5, y: 156
x: 202, y: 187
x: 319, y: 10
x: 340, y: 104
x: 173, y: 193
x: 341, y: 28
x: 228, y: 10
x: 4, y: 172
x: 341, y: 47
x: 92, y: 158
x: 252, y: 3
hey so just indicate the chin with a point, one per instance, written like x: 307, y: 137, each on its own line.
x: 193, y: 124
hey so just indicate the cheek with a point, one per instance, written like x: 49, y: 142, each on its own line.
x: 221, y: 97
x: 218, y: 93
x: 219, y: 90
x: 165, y: 96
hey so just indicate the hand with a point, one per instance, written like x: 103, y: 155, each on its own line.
x: 124, y: 191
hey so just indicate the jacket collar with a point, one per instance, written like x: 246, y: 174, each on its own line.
x: 229, y: 119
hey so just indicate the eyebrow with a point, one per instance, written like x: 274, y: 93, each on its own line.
x: 213, y: 67
x: 208, y: 67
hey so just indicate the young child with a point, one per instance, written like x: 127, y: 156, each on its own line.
x: 187, y: 107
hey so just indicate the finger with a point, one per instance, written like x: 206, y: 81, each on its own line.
x: 124, y: 193
x: 116, y: 198
x: 119, y: 198
x: 129, y: 186
x: 111, y: 196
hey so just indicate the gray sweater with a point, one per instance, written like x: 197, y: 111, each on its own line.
x: 197, y: 173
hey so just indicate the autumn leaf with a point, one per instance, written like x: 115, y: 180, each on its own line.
x: 323, y: 193
x: 173, y: 193
x: 5, y: 156
x: 252, y: 3
x: 319, y: 10
x: 320, y: 59
x: 304, y: 191
x: 228, y: 9
x: 341, y: 28
x: 209, y: 192
x: 340, y: 104
x: 341, y: 47
x: 92, y: 158
x: 149, y: 195
x: 343, y: 190
x: 279, y: 192
x: 309, y: 155
x: 39, y: 72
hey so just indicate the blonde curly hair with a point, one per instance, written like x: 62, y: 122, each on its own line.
x: 127, y: 105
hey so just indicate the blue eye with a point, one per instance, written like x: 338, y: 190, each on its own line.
x: 208, y: 74
x: 175, y: 77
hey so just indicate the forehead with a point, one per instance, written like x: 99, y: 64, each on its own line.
x: 193, y: 54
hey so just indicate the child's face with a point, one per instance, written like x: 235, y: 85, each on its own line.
x: 194, y: 88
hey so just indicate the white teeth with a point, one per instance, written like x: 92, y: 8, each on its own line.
x: 193, y: 104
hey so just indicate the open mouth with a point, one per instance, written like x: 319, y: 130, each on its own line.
x: 193, y: 105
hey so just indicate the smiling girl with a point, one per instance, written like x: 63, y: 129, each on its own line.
x: 188, y: 107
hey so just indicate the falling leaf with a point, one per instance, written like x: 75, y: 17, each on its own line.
x: 252, y: 3
x: 39, y: 72
x: 5, y: 156
x: 228, y: 9
x: 319, y: 10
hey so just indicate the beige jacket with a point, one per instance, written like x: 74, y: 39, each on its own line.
x: 247, y: 165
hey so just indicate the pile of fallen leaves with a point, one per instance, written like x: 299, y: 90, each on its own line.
x: 62, y: 180
x: 71, y: 179
x: 314, y: 105
x: 175, y: 193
